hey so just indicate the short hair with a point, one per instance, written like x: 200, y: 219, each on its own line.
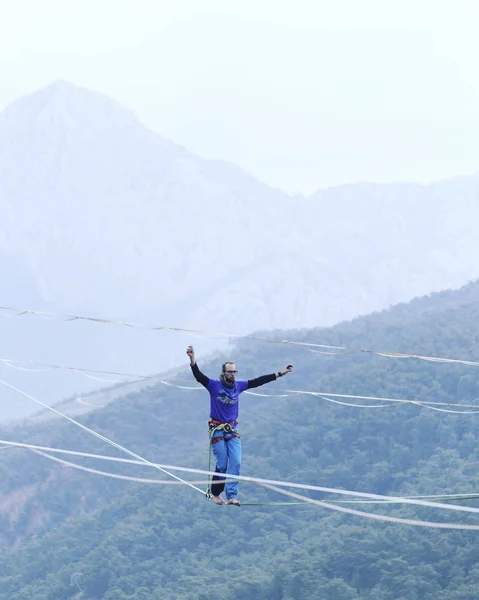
x: 223, y: 366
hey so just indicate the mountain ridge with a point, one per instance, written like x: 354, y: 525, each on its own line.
x: 111, y: 219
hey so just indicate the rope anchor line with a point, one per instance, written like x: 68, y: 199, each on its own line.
x: 310, y: 346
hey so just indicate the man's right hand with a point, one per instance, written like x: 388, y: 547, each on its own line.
x: 191, y: 353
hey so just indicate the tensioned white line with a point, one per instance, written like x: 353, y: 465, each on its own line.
x: 470, y: 496
x: 35, y: 449
x: 96, y: 434
x: 258, y: 480
x: 376, y: 517
x: 420, y: 404
x: 323, y: 395
x: 138, y: 378
x: 414, y: 522
x: 22, y: 312
x: 67, y: 463
x: 357, y: 405
x: 445, y: 410
x: 306, y: 345
x: 82, y: 370
x: 400, y: 400
x: 402, y: 521
x: 322, y: 504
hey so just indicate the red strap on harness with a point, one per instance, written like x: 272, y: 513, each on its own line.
x: 215, y: 422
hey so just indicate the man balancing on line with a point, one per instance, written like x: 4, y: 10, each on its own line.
x: 225, y: 440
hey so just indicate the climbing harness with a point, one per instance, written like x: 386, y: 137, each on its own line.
x: 227, y: 428
x: 213, y: 427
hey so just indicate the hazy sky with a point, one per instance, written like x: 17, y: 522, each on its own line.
x: 302, y: 94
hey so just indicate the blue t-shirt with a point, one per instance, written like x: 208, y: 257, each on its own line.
x: 224, y: 400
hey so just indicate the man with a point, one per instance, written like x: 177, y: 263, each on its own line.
x: 225, y: 440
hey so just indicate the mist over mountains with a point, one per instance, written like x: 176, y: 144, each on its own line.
x: 101, y: 216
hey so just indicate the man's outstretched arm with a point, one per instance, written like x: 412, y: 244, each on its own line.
x: 253, y: 383
x: 198, y: 375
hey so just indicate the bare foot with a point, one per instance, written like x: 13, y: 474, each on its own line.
x: 233, y: 501
x: 218, y: 499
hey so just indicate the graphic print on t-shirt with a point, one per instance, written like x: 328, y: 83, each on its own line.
x: 225, y: 399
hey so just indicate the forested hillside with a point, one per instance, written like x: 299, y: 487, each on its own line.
x: 70, y: 535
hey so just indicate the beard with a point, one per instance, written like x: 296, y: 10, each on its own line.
x: 226, y: 382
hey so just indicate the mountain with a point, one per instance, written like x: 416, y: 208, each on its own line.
x: 72, y: 535
x: 105, y: 217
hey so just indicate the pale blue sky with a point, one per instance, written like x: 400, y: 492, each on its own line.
x: 302, y: 94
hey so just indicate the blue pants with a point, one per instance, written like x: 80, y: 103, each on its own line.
x: 228, y: 460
